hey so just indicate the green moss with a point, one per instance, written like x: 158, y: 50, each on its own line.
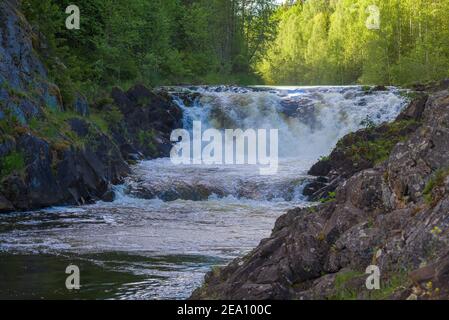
x: 312, y: 209
x: 101, y: 103
x: 379, y: 147
x: 366, y: 88
x: 375, y: 151
x: 14, y: 162
x: 437, y: 180
x: 10, y: 126
x: 342, y: 290
x: 13, y: 92
x: 394, y: 283
x: 100, y: 122
x: 113, y: 116
x: 6, y: 127
x: 54, y: 128
x: 330, y: 198
x: 216, y: 271
x: 147, y: 139
x: 411, y: 95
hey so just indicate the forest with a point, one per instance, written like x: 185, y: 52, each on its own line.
x: 333, y: 42
x: 153, y: 42
x: 159, y: 42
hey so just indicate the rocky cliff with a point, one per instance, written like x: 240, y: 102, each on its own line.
x: 385, y: 202
x: 53, y: 152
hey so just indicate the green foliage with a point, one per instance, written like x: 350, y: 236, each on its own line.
x: 6, y: 127
x: 14, y: 93
x: 103, y: 102
x: 147, y: 139
x: 437, y: 180
x: 379, y: 147
x: 342, y: 290
x: 225, y: 41
x: 14, y: 162
x: 345, y: 290
x: 154, y: 42
x: 100, y: 121
x: 113, y: 116
x: 331, y: 197
x: 375, y: 151
x: 388, y: 287
x: 53, y: 128
x: 328, y: 42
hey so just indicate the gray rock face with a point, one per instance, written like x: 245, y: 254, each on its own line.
x: 19, y: 65
x: 149, y: 119
x: 71, y: 177
x: 21, y: 71
x: 394, y: 215
x: 413, y: 161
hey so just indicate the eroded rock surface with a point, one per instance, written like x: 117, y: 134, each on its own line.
x: 393, y: 214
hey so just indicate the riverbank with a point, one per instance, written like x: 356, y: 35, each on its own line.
x: 60, y: 152
x: 385, y: 195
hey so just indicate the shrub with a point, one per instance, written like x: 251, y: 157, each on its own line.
x: 113, y: 116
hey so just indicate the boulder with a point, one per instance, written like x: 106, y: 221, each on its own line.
x: 149, y: 119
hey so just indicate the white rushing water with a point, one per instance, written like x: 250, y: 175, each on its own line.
x: 169, y: 224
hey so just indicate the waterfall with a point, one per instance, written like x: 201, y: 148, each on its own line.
x: 310, y: 120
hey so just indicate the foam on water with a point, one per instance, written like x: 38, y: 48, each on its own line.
x: 310, y: 119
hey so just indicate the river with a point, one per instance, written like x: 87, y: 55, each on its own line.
x: 170, y: 224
